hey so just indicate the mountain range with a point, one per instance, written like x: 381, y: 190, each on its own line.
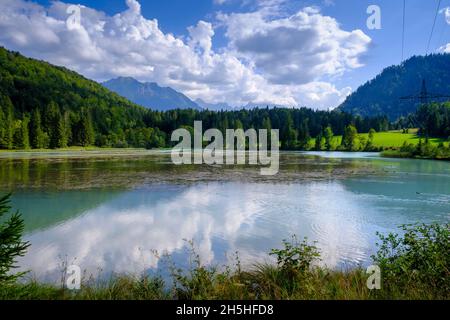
x: 213, y: 106
x: 150, y: 94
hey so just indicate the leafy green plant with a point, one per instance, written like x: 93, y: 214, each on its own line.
x: 295, y: 255
x: 11, y: 244
x: 421, y: 256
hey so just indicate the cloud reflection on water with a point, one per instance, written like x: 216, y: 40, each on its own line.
x: 119, y: 235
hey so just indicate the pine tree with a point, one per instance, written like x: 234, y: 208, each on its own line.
x: 303, y: 134
x: 36, y: 133
x: 48, y: 117
x: 7, y: 134
x: 266, y: 124
x: 21, y: 137
x: 58, y: 132
x: 11, y: 244
x: 318, y: 143
x: 85, y: 130
x: 2, y: 126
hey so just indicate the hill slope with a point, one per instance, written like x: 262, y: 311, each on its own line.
x: 31, y: 83
x: 381, y: 96
x: 150, y: 94
x: 59, y: 107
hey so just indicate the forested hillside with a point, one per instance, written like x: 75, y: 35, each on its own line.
x: 43, y: 106
x: 46, y: 106
x: 381, y: 96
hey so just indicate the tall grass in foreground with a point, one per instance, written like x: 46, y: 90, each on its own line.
x: 414, y: 266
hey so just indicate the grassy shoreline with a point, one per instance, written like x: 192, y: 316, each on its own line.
x: 408, y: 155
x: 415, y: 265
x: 263, y: 283
x: 73, y: 149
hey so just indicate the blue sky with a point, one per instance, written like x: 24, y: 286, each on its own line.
x: 242, y: 52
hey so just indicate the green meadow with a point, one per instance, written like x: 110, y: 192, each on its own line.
x: 386, y: 140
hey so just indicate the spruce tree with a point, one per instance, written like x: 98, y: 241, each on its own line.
x: 2, y: 126
x: 318, y: 143
x: 86, y: 130
x: 11, y: 244
x: 57, y: 136
x: 7, y: 134
x: 37, y: 138
x: 21, y: 138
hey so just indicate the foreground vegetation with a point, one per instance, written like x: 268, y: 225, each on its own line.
x: 414, y: 265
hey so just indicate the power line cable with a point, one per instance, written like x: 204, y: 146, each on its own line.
x: 434, y: 24
x: 403, y: 30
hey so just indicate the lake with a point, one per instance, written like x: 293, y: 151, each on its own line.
x: 112, y: 211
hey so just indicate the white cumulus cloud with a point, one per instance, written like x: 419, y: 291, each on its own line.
x: 268, y: 60
x: 445, y: 49
x: 297, y: 49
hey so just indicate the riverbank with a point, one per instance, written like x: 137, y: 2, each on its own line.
x: 413, y: 266
x: 423, y: 150
x: 410, y: 155
x: 70, y: 149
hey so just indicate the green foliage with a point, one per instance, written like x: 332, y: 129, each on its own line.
x: 318, y: 142
x: 7, y: 124
x: 83, y: 130
x: 349, y: 138
x: 423, y: 149
x: 58, y: 138
x: 296, y: 256
x: 420, y: 256
x: 194, y: 283
x: 11, y: 244
x: 21, y: 137
x: 434, y: 120
x: 37, y: 135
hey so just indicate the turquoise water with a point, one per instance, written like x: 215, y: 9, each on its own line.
x: 111, y: 214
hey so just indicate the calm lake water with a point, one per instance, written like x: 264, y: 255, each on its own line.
x: 108, y: 212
